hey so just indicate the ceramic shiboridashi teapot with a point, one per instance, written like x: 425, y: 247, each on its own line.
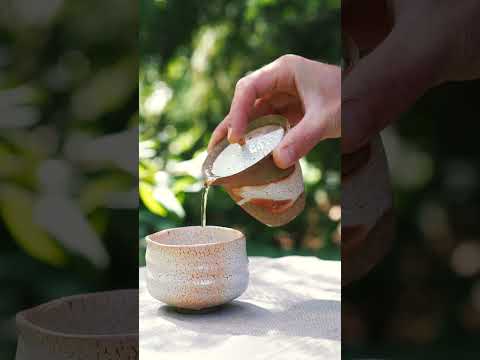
x: 247, y: 172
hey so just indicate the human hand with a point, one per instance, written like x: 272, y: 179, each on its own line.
x: 430, y: 42
x: 306, y: 92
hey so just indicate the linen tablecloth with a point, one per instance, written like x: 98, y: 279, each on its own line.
x: 291, y: 310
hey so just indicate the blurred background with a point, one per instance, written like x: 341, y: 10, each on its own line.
x: 68, y: 152
x: 423, y: 300
x: 192, y: 55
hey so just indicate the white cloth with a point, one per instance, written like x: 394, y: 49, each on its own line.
x: 291, y: 310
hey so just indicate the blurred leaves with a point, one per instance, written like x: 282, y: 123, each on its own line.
x: 68, y: 165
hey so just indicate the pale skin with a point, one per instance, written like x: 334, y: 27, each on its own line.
x: 306, y: 92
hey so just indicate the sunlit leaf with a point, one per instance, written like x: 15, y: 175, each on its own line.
x: 186, y: 140
x: 16, y: 206
x: 146, y: 194
x: 146, y: 149
x: 177, y: 67
x: 183, y: 184
x: 147, y: 170
x: 191, y: 167
x: 168, y: 199
x: 311, y: 174
x: 156, y: 101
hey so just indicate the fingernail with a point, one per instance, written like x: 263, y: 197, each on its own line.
x: 229, y: 135
x: 285, y: 157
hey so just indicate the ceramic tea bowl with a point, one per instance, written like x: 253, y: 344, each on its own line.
x: 91, y: 326
x: 197, y: 268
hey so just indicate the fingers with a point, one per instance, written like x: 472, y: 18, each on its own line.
x: 383, y: 85
x: 279, y: 103
x: 275, y: 76
x: 300, y: 139
x: 262, y: 107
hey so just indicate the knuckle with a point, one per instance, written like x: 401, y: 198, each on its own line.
x: 226, y: 121
x: 316, y: 126
x: 313, y: 136
x: 242, y: 83
x: 332, y: 122
x: 289, y: 59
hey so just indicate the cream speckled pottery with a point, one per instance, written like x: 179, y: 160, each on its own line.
x: 92, y: 326
x: 197, y: 267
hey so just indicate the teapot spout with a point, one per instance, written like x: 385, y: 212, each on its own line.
x: 212, y: 180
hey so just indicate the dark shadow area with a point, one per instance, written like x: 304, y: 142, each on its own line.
x: 68, y: 153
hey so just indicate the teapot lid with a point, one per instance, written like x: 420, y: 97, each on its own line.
x: 262, y: 136
x: 259, y: 143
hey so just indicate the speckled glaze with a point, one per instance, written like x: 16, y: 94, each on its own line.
x: 197, y: 268
x: 92, y: 326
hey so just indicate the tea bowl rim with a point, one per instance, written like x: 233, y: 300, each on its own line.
x: 22, y: 320
x: 157, y: 244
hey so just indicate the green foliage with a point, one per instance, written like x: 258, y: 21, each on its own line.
x: 192, y: 54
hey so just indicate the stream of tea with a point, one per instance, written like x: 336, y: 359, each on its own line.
x: 206, y: 187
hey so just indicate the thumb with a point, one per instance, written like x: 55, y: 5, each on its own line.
x: 301, y: 139
x: 383, y: 85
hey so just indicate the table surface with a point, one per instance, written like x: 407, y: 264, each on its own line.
x: 291, y: 310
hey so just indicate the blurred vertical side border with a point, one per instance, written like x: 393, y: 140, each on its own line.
x: 421, y: 299
x: 68, y: 153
